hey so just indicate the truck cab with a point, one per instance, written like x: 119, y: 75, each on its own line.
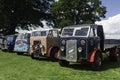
x: 4, y: 43
x: 11, y: 42
x: 1, y: 41
x: 44, y: 43
x: 22, y: 43
x: 81, y: 43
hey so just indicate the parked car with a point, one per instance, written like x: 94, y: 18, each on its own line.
x: 44, y: 43
x: 86, y: 44
x: 22, y: 43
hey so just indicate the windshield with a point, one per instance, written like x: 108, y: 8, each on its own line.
x: 44, y: 33
x: 68, y: 32
x: 39, y: 33
x: 23, y: 36
x: 36, y: 33
x: 10, y: 38
x: 81, y: 32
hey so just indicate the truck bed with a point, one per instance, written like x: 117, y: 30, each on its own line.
x: 110, y: 43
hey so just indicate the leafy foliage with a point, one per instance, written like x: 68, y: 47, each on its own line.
x: 64, y: 12
x: 77, y: 12
x: 14, y: 12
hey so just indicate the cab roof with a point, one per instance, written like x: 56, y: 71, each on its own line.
x: 82, y: 25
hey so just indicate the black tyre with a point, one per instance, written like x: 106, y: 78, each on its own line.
x: 63, y: 63
x: 33, y: 56
x: 53, y: 54
x: 97, y: 61
x: 116, y: 56
x: 10, y: 48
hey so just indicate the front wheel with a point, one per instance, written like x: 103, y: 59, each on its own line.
x: 118, y: 57
x: 115, y: 54
x: 63, y: 63
x: 97, y: 61
x: 53, y: 54
x: 33, y: 56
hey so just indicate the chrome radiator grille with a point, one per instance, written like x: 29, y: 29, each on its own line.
x: 71, y: 50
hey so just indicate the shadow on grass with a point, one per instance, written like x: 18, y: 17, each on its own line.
x: 41, y: 58
x: 110, y: 65
x: 47, y: 59
x: 105, y: 66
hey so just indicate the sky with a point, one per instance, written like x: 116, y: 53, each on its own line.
x: 111, y: 23
x: 113, y: 7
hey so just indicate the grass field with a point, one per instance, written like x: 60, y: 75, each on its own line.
x: 14, y: 67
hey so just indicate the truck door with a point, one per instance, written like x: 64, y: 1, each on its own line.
x: 53, y: 37
x: 93, y: 39
x: 100, y: 33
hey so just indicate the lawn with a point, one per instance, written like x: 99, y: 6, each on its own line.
x: 14, y: 67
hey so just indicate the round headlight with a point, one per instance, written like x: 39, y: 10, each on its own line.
x: 41, y: 46
x: 62, y: 48
x: 79, y: 49
x: 82, y: 42
x: 30, y: 46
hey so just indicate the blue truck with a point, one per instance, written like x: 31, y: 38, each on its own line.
x: 22, y: 43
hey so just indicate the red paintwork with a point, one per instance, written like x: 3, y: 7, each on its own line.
x: 93, y: 56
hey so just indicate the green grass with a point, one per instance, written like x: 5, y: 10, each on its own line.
x: 14, y: 67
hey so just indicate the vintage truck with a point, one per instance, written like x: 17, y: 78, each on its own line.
x: 10, y: 39
x: 87, y: 44
x: 3, y: 43
x: 7, y: 42
x: 22, y: 43
x: 44, y: 43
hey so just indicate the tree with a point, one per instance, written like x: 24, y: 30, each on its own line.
x: 13, y: 12
x: 69, y: 12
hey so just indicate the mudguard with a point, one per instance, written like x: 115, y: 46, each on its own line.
x: 93, y: 56
x: 49, y: 51
x: 58, y: 55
